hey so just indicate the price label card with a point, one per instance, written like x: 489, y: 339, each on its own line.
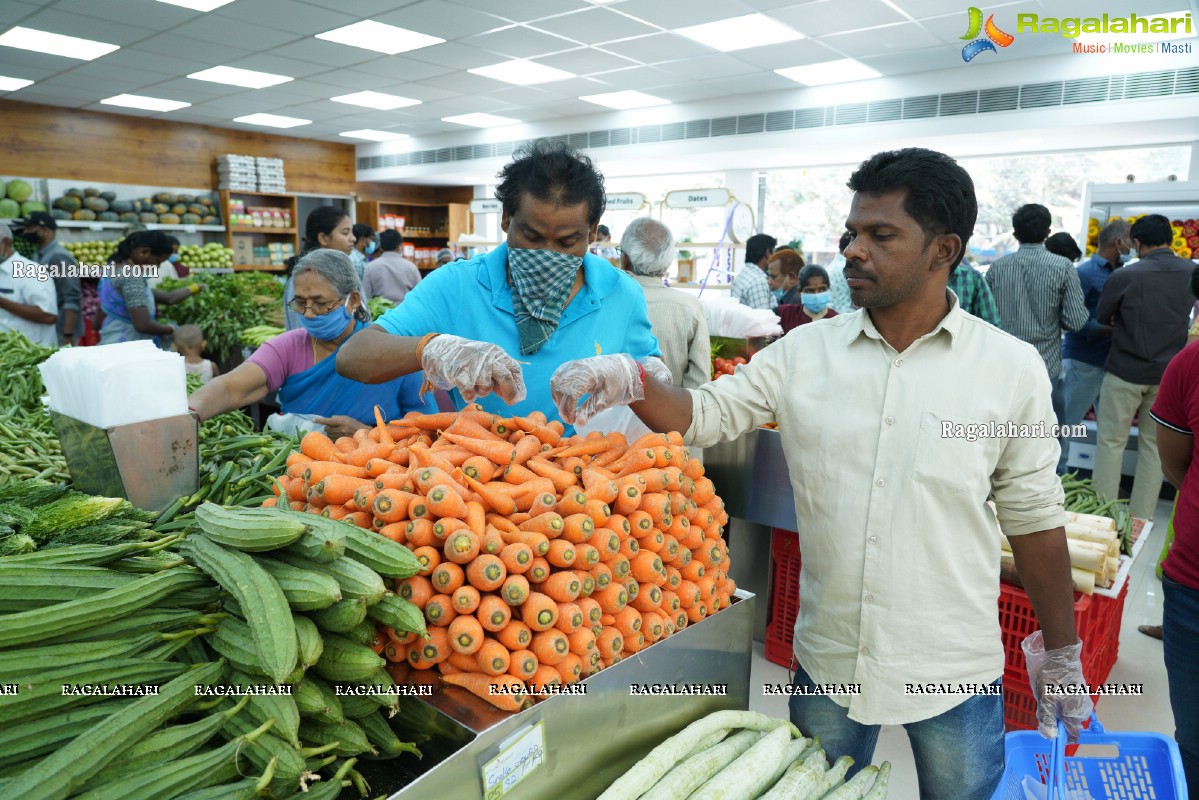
x: 518, y: 757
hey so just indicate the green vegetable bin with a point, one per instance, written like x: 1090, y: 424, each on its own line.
x: 150, y: 463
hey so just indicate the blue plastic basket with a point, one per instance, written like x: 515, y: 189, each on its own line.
x: 1147, y: 766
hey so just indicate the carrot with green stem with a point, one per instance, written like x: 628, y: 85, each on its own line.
x: 479, y: 468
x: 539, y: 569
x: 461, y: 546
x: 561, y: 553
x: 486, y: 572
x: 466, y: 599
x: 492, y: 543
x: 315, y: 471
x: 550, y: 646
x: 439, y: 611
x: 517, y: 558
x: 493, y: 613
x: 493, y: 657
x: 443, y: 502
x: 523, y: 664
x: 515, y: 635
x: 539, y: 611
x: 339, y: 489
x: 570, y: 618
x: 446, y: 576
x: 466, y: 635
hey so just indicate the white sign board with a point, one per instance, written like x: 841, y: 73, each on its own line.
x: 697, y: 198
x: 626, y: 201
x: 519, y: 756
x: 486, y: 206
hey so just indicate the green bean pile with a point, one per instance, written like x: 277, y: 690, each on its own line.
x: 28, y: 446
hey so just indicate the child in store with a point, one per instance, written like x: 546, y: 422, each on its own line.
x: 189, y: 343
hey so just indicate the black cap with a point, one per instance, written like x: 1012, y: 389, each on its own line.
x: 39, y: 218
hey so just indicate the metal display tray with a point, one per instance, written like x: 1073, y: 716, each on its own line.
x: 750, y: 474
x: 590, y: 739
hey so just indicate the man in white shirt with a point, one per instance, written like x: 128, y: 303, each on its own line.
x: 750, y: 285
x: 900, y: 549
x: 390, y: 275
x: 28, y: 304
x: 647, y: 252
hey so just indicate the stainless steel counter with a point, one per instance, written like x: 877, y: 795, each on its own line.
x: 590, y: 739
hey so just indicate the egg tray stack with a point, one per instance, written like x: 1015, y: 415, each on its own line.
x: 237, y: 173
x: 270, y: 175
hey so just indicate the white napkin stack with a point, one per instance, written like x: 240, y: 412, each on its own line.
x: 116, y: 384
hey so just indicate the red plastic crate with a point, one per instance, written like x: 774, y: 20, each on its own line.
x: 1017, y: 621
x: 1019, y: 705
x: 784, y: 596
x: 1104, y: 633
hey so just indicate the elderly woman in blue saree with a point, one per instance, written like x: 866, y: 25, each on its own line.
x: 299, y: 364
x: 129, y: 303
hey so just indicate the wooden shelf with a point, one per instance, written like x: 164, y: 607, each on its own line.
x: 435, y: 235
x: 258, y: 194
x: 281, y: 231
x: 95, y: 225
x: 258, y: 268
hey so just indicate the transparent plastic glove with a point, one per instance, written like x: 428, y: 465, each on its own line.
x: 473, y: 368
x: 1057, y: 668
x: 609, y: 380
x: 656, y: 368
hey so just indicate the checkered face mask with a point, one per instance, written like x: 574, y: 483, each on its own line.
x: 541, y: 282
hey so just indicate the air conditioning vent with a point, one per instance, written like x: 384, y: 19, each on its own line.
x: 959, y: 103
x: 1005, y: 98
x: 920, y: 107
x: 852, y: 114
x: 751, y: 123
x: 699, y: 129
x: 809, y: 117
x: 673, y: 132
x: 1148, y: 84
x: 724, y: 126
x: 884, y: 111
x: 780, y: 121
x: 1085, y: 90
x: 649, y: 133
x: 1041, y: 95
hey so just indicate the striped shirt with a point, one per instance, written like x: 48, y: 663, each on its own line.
x: 1038, y: 295
x: 973, y: 293
x: 751, y: 287
x: 681, y: 329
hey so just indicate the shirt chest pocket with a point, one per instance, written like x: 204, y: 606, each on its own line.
x: 947, y: 461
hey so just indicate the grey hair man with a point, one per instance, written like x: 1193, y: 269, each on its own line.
x: 647, y: 252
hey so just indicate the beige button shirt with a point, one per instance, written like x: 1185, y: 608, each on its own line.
x: 900, y: 577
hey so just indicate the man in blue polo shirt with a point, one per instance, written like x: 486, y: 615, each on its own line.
x: 494, y: 328
x: 1084, y: 352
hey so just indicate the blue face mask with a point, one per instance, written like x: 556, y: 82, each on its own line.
x: 174, y: 259
x: 327, y: 327
x: 370, y: 247
x: 815, y: 302
x: 1131, y: 255
x: 778, y: 294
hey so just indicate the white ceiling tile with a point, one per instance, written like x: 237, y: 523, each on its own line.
x: 194, y: 91
x: 118, y: 33
x: 788, y: 54
x: 454, y: 55
x: 101, y: 72
x: 950, y: 27
x: 367, y: 8
x: 520, y: 43
x: 637, y: 77
x: 835, y: 16
x: 147, y: 13
x: 594, y: 25
x: 585, y: 61
x: 576, y: 87
x: 327, y: 54
x: 658, y: 47
x: 750, y: 84
x: 51, y: 64
x: 128, y: 112
x: 401, y: 70
x: 907, y: 63
x: 237, y: 105
x: 931, y: 8
x: 704, y: 68
x: 288, y: 15
x: 463, y: 83
x: 446, y: 20
x: 525, y: 10
x: 688, y: 92
x: 99, y: 87
x: 771, y: 5
x: 211, y: 28
x: 169, y: 46
x: 14, y: 12
x: 58, y: 96
x: 278, y: 65
x: 480, y: 102
x: 680, y: 13
x: 891, y: 38
x: 153, y: 63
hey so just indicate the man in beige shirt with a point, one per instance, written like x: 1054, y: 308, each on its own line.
x: 646, y: 253
x: 900, y: 551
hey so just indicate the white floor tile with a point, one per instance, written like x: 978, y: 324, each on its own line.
x: 1139, y: 662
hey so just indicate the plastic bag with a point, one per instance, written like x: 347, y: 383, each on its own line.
x: 293, y: 424
x: 728, y: 317
x: 616, y: 419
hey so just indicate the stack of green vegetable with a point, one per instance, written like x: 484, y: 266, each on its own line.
x: 229, y: 305
x: 768, y: 759
x: 1081, y: 498
x: 275, y: 598
x: 38, y: 514
x: 379, y: 306
x: 255, y: 336
x: 29, y: 447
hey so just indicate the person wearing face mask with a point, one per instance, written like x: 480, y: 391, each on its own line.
x: 299, y: 365
x: 1084, y: 352
x: 129, y: 303
x: 327, y: 227
x: 782, y: 275
x: 364, y: 246
x: 27, y: 306
x: 41, y: 229
x: 495, y: 327
x: 168, y: 268
x: 813, y: 300
x: 1148, y: 305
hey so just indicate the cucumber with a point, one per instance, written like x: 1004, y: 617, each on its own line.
x: 349, y: 737
x: 39, y: 624
x: 250, y: 529
x: 245, y: 789
x: 340, y: 617
x: 381, y: 554
x: 398, y: 614
x: 17, y: 664
x: 70, y: 767
x: 356, y: 580
x: 692, y: 773
x: 343, y: 660
x: 308, y: 640
x: 150, y: 620
x: 25, y: 587
x: 278, y: 707
x: 878, y: 791
x: 749, y: 775
x: 45, y: 696
x: 318, y: 700
x: 853, y: 788
x: 304, y: 590
x: 383, y: 738
x: 800, y: 779
x: 289, y: 763
x: 28, y: 740
x: 234, y: 641
x: 834, y: 776
x: 261, y: 600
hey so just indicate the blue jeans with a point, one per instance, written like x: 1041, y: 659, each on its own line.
x: 1081, y: 391
x: 1180, y: 646
x: 959, y: 754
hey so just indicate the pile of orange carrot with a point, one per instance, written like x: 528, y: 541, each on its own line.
x: 545, y: 558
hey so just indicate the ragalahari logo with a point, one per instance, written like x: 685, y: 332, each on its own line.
x: 994, y: 36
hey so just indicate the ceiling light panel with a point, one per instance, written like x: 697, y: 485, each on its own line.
x: 234, y: 76
x: 379, y: 100
x: 144, y: 103
x: 379, y: 37
x: 8, y: 84
x: 842, y: 70
x: 273, y: 121
x: 480, y: 120
x: 55, y: 44
x: 625, y: 100
x: 371, y: 135
x: 197, y: 5
x: 740, y: 33
x: 522, y: 72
